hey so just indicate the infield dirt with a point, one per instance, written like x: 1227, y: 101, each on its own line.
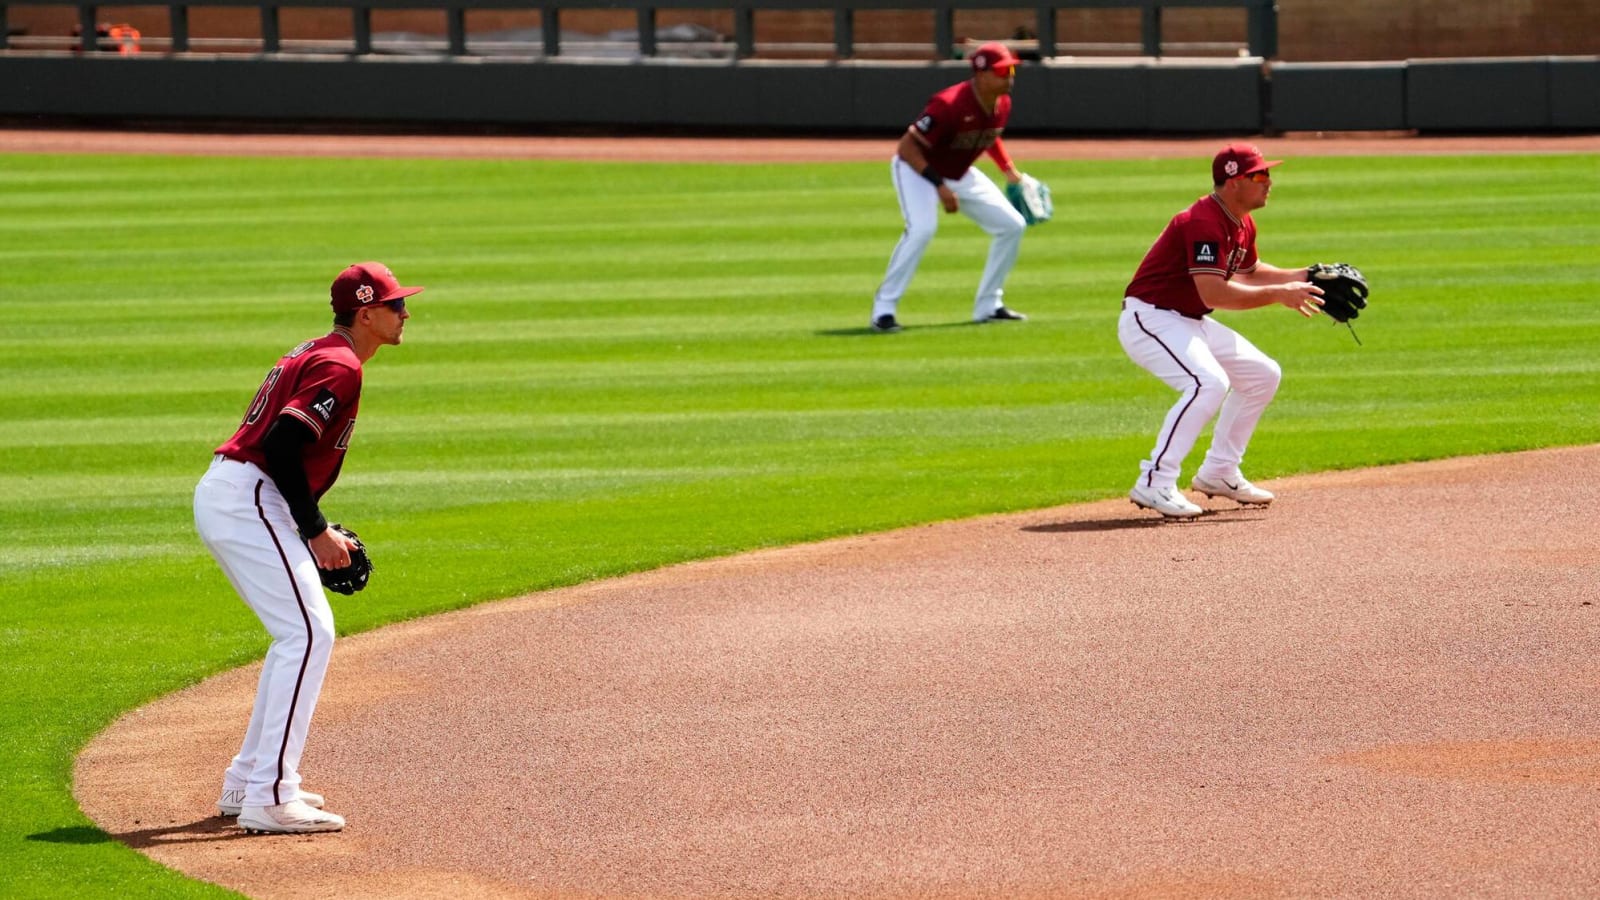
x: 1360, y: 691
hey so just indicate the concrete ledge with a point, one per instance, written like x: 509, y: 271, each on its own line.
x: 1141, y: 95
x: 1338, y: 96
x: 1131, y: 96
x: 1575, y: 92
x: 1478, y: 94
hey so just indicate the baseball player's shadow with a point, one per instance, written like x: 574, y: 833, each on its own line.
x: 1209, y: 517
x: 869, y: 330
x: 210, y: 828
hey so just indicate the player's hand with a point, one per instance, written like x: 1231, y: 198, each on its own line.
x: 1303, y: 297
x: 330, y: 549
x: 948, y: 198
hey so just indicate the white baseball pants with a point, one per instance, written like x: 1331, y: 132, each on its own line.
x: 982, y: 202
x: 245, y: 523
x: 1212, y: 367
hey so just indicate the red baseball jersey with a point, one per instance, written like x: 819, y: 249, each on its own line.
x: 955, y: 129
x: 1203, y: 239
x: 318, y: 384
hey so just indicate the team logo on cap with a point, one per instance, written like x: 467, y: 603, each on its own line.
x: 364, y: 293
x: 1231, y: 167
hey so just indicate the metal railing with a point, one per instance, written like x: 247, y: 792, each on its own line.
x: 1261, y: 37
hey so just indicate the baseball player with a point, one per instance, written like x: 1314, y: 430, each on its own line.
x: 256, y: 511
x: 1206, y: 259
x: 932, y: 169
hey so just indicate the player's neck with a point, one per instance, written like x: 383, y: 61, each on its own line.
x: 364, y: 343
x: 985, y: 100
x: 1237, y: 211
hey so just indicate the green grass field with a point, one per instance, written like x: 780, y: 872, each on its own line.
x: 616, y: 367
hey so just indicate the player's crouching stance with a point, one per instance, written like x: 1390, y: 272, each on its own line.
x: 256, y: 511
x: 1206, y: 259
x: 933, y: 169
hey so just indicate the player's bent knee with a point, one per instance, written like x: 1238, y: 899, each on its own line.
x: 1213, y: 387
x: 1011, y: 230
x: 320, y: 652
x: 1206, y: 397
x: 1263, y: 379
x: 322, y: 630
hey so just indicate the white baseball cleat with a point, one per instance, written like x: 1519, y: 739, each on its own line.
x: 1165, y: 500
x: 293, y: 817
x: 1238, y: 489
x: 231, y: 802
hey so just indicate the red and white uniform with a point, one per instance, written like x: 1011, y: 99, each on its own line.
x: 1167, y: 329
x: 319, y: 384
x: 954, y: 130
x: 245, y: 523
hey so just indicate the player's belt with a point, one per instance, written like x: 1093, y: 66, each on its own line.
x: 1186, y: 315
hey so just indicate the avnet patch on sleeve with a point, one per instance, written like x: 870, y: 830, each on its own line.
x: 1205, y: 253
x: 325, y: 405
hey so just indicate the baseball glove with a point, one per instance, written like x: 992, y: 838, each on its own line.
x: 1344, y: 289
x: 1031, y: 197
x: 351, y: 578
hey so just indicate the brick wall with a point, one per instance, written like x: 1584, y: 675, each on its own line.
x: 1309, y: 30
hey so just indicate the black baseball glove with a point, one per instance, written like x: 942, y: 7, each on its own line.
x: 351, y: 578
x: 1344, y: 289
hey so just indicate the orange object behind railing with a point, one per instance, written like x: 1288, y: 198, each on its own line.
x: 121, y: 37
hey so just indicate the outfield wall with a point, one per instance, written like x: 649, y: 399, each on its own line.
x: 1057, y: 97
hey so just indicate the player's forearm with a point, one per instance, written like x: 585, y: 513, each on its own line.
x: 1219, y: 293
x: 283, y: 446
x: 997, y: 152
x: 1268, y: 274
x: 1241, y: 292
x: 1242, y: 297
x: 910, y: 151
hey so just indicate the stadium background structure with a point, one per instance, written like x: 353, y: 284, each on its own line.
x: 1248, y: 67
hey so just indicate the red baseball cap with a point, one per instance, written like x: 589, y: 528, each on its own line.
x: 992, y: 55
x: 1239, y: 159
x: 366, y: 284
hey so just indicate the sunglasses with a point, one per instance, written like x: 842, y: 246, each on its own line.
x: 397, y: 305
x: 1260, y: 177
x: 1004, y: 71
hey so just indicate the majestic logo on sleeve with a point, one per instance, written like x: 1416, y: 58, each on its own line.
x: 924, y: 124
x: 1205, y: 253
x: 1236, y: 259
x: 325, y: 405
